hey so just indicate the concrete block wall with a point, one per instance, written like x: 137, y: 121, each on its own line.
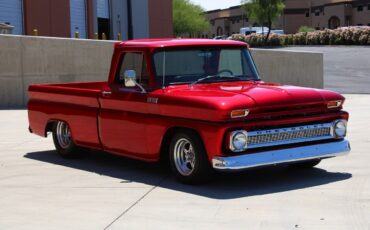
x: 28, y: 60
x: 290, y: 67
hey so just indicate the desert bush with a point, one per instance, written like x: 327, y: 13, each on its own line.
x: 299, y: 38
x: 324, y: 37
x: 274, y: 40
x: 340, y: 36
x: 363, y: 39
x: 312, y: 38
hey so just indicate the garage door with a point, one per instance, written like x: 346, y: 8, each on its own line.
x: 11, y: 12
x: 103, y: 8
x: 78, y: 18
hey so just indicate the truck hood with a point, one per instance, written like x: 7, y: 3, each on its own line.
x: 258, y: 97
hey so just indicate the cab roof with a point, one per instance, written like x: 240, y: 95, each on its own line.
x: 177, y: 42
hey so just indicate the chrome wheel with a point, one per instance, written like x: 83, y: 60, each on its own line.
x: 184, y: 157
x: 63, y: 134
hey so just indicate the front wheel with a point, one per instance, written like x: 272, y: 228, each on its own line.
x: 63, y: 141
x: 188, y: 159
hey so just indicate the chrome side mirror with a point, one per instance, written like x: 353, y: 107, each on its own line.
x: 130, y: 80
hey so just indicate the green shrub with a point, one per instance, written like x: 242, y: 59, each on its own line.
x: 290, y: 39
x: 305, y: 29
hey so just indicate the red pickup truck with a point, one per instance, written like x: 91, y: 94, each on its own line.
x: 198, y: 103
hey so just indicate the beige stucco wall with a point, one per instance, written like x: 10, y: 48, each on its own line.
x: 27, y: 60
x: 292, y: 22
x: 329, y: 11
x: 361, y: 17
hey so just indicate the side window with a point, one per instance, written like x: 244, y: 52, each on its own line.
x: 134, y: 61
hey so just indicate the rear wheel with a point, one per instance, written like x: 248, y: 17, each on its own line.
x: 305, y: 164
x: 63, y: 141
x: 188, y: 158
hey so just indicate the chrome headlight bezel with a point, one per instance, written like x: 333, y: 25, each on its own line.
x: 339, y: 129
x: 238, y: 141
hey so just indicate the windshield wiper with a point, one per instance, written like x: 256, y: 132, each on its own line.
x: 213, y: 76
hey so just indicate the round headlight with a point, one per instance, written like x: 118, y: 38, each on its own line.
x: 340, y: 128
x: 238, y: 141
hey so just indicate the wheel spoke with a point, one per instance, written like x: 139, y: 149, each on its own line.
x: 184, y: 157
x: 63, y: 135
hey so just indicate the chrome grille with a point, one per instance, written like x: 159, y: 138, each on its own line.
x: 264, y: 138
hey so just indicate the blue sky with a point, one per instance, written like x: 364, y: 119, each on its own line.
x: 216, y: 4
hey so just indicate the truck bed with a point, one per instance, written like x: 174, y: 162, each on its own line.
x: 75, y: 103
x: 80, y: 93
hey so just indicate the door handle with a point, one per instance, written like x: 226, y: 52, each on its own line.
x: 106, y: 93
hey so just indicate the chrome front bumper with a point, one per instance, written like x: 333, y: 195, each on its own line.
x: 288, y: 155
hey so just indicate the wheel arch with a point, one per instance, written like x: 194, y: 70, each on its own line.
x: 50, y: 124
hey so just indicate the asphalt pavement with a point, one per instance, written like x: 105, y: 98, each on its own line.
x: 346, y: 68
x: 40, y: 190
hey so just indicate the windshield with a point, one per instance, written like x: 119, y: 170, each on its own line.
x: 203, y: 65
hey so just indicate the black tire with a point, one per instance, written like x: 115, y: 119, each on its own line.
x: 200, y: 170
x: 305, y: 164
x: 65, y: 148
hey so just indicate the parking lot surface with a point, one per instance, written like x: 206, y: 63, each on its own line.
x: 346, y: 68
x: 40, y: 190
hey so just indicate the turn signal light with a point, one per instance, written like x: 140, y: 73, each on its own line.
x: 239, y: 113
x: 334, y: 104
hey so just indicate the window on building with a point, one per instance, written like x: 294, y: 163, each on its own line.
x: 232, y: 21
x: 212, y: 22
x: 360, y: 24
x: 360, y: 8
x: 368, y: 24
x: 368, y: 6
x: 246, y: 19
x: 237, y: 21
x: 307, y: 14
x: 317, y: 13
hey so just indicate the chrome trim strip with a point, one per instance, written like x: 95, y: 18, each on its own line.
x: 289, y: 130
x: 318, y: 151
